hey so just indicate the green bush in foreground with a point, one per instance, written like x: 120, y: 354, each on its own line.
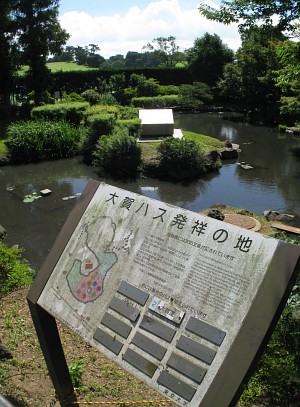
x: 33, y: 141
x: 14, y: 271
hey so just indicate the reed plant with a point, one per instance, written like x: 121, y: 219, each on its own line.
x: 34, y: 141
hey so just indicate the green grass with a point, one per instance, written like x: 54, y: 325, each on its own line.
x: 205, y: 143
x: 59, y: 66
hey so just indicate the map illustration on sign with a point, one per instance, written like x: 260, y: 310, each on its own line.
x: 87, y: 274
x: 180, y: 300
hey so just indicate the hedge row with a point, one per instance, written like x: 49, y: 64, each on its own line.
x: 70, y: 112
x: 79, y: 81
x: 148, y: 102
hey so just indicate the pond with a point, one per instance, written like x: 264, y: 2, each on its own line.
x: 273, y: 183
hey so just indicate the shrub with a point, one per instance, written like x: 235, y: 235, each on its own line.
x: 132, y: 126
x: 196, y: 94
x: 168, y: 90
x: 33, y: 141
x: 107, y: 99
x: 99, y: 110
x: 71, y: 112
x: 14, y: 271
x: 180, y: 158
x: 118, y: 154
x: 127, y: 112
x: 155, y: 102
x: 282, y: 128
x: 91, y: 96
x: 72, y: 97
x: 98, y: 125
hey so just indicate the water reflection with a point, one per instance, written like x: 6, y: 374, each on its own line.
x: 273, y: 183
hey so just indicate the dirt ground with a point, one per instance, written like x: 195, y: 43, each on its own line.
x: 24, y: 379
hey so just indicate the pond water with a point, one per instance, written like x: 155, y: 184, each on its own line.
x: 273, y: 183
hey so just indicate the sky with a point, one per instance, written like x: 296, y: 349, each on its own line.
x: 127, y: 25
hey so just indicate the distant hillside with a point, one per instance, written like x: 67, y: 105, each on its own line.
x: 60, y: 66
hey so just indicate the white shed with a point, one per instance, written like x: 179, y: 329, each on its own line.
x: 157, y: 122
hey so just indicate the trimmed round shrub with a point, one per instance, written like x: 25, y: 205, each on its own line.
x: 91, y: 96
x: 118, y: 154
x: 33, y: 141
x: 180, y: 158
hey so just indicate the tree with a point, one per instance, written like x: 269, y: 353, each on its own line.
x: 67, y: 55
x: 207, y: 58
x: 257, y: 60
x: 280, y: 13
x: 8, y: 47
x: 164, y: 48
x: 196, y: 94
x: 81, y: 55
x: 39, y: 34
x: 287, y: 79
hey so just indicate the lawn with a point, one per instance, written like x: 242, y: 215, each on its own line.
x: 205, y: 144
x: 59, y: 66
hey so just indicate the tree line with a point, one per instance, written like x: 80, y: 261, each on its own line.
x: 262, y: 77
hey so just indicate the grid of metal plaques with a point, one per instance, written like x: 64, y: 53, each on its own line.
x: 195, y: 347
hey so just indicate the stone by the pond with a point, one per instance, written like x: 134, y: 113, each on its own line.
x: 216, y: 214
x: 274, y: 215
x: 245, y: 166
x: 45, y: 192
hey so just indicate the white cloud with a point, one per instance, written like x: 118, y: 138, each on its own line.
x: 120, y: 33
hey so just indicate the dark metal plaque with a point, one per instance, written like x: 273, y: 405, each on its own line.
x: 176, y: 385
x: 133, y: 293
x: 196, y: 349
x: 141, y: 363
x: 124, y: 309
x: 157, y: 328
x: 186, y: 367
x: 108, y: 341
x: 116, y: 325
x: 205, y: 331
x: 148, y: 345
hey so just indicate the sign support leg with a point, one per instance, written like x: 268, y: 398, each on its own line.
x: 48, y: 335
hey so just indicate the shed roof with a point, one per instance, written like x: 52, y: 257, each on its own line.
x: 156, y: 116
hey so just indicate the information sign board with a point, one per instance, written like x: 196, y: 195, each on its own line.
x: 180, y: 300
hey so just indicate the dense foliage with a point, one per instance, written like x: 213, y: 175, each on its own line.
x: 14, y: 270
x: 72, y: 112
x: 208, y: 57
x: 277, y: 376
x: 118, y: 154
x: 30, y: 31
x: 281, y: 13
x: 33, y: 141
x: 195, y: 95
x: 180, y: 158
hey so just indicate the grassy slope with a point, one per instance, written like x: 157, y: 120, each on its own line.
x: 60, y: 66
x: 205, y: 143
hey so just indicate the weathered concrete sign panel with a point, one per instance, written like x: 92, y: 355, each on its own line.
x: 180, y: 300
